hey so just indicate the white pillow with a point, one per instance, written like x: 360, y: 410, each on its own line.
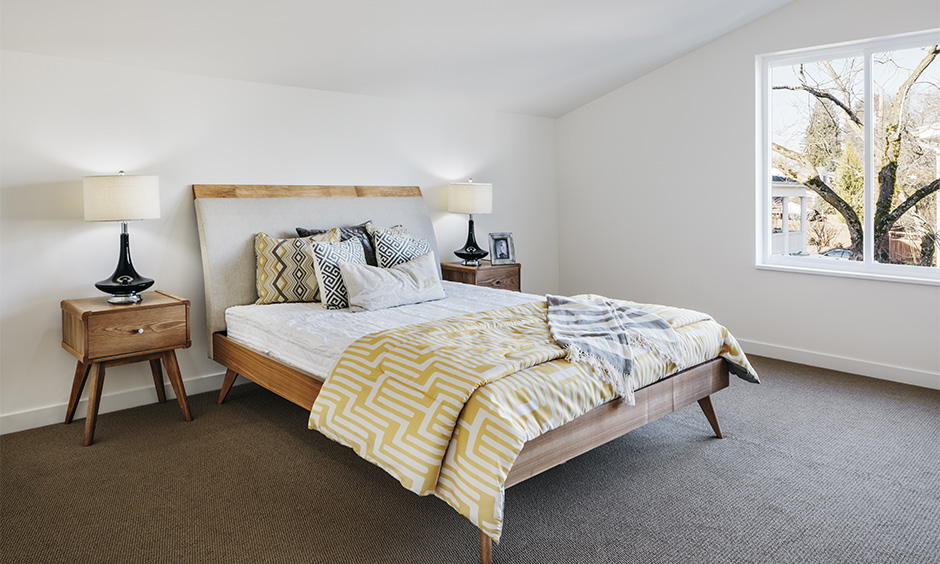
x: 412, y: 282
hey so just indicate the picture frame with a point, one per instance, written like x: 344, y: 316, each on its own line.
x: 502, y: 250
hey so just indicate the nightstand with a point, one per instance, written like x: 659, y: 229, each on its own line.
x: 504, y: 276
x: 101, y: 335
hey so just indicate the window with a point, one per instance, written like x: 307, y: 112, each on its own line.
x: 849, y: 159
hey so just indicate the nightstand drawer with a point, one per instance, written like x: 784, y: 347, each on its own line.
x: 505, y: 279
x: 502, y: 276
x: 136, y: 331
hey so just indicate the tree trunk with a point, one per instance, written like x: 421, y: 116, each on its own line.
x: 852, y: 221
x: 887, y: 180
x: 928, y: 246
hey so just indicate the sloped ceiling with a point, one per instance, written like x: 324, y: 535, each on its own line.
x: 535, y: 57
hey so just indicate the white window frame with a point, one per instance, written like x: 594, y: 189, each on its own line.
x: 868, y: 268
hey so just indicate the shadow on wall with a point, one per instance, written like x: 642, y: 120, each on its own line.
x: 450, y: 228
x: 435, y: 198
x: 57, y: 200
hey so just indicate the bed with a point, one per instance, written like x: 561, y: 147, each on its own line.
x: 228, y: 216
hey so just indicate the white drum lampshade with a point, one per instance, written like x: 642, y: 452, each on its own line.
x: 468, y: 197
x: 121, y: 198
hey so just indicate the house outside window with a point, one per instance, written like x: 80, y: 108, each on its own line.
x: 849, y: 159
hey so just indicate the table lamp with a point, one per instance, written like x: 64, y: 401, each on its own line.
x: 470, y: 198
x: 122, y: 198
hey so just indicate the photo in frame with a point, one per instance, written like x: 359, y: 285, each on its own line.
x: 502, y: 251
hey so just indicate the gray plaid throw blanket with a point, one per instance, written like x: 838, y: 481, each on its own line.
x: 601, y: 333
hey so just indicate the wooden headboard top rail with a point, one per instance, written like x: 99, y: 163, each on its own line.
x: 298, y: 191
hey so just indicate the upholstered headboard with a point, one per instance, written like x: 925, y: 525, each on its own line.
x: 229, y: 216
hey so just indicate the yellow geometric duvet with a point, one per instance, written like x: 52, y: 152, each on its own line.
x: 446, y: 406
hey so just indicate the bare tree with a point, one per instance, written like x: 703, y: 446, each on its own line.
x: 821, y: 233
x: 890, y: 139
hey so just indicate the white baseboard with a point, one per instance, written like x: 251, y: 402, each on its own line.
x: 38, y: 417
x: 12, y: 422
x: 910, y: 376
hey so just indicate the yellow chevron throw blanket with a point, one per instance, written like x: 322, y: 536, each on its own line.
x: 395, y: 396
x: 446, y: 406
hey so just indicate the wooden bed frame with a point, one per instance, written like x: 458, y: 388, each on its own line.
x: 599, y: 426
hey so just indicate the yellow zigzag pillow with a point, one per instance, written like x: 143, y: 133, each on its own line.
x: 284, y: 271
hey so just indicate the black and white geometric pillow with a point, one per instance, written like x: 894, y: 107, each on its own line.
x: 359, y: 231
x: 326, y: 257
x: 392, y: 249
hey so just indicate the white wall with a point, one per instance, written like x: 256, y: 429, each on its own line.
x: 63, y: 119
x: 657, y: 187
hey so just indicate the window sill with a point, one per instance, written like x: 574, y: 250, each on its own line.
x: 856, y: 273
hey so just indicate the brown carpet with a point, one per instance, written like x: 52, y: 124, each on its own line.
x: 816, y: 466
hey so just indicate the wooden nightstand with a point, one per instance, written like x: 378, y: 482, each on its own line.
x: 101, y: 335
x: 504, y: 276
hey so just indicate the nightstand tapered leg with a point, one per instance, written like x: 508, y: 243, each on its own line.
x: 158, y: 380
x: 176, y: 380
x: 78, y: 383
x: 94, y: 398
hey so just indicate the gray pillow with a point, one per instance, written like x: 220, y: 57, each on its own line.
x: 412, y: 282
x: 360, y: 232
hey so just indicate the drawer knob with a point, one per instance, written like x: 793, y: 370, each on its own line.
x: 140, y: 331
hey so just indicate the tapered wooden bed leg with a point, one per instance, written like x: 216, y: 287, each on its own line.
x: 706, y: 405
x: 486, y: 549
x: 230, y: 376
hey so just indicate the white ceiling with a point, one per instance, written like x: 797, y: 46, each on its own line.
x: 537, y: 57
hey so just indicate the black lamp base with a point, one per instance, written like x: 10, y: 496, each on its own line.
x: 125, y: 284
x: 471, y: 253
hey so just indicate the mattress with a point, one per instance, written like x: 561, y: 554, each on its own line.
x: 311, y: 338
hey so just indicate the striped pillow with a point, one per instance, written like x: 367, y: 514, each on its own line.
x: 397, y: 229
x: 326, y: 257
x: 284, y: 269
x: 392, y: 249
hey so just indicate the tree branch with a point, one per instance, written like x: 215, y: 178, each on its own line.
x: 838, y: 80
x: 793, y: 155
x: 911, y: 200
x: 924, y: 224
x: 814, y: 183
x: 822, y: 94
x: 932, y: 53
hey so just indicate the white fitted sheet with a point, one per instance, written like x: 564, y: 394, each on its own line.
x: 309, y: 337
